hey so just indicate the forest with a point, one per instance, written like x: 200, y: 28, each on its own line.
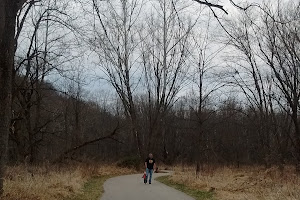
x: 204, y: 83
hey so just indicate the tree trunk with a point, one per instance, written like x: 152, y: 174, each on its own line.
x: 137, y: 138
x: 8, y: 12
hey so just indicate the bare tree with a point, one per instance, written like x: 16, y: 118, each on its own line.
x: 115, y: 43
x: 8, y: 14
x: 164, y: 50
x: 250, y: 76
x: 204, y: 76
x: 41, y: 57
x: 279, y: 48
x: 270, y: 40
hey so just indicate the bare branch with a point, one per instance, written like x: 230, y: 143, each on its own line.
x: 211, y: 5
x: 109, y: 136
x: 240, y: 7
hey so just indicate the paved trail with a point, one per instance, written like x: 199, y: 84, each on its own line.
x: 131, y: 187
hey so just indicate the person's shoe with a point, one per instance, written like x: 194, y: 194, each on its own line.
x: 149, y: 182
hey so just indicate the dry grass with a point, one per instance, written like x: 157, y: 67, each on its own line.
x: 53, y: 182
x: 246, y: 183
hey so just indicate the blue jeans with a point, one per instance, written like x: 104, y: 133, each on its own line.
x: 149, y: 174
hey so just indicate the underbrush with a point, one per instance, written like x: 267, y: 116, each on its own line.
x: 247, y: 183
x: 130, y: 162
x: 53, y: 181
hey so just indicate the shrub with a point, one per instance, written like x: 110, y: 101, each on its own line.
x: 130, y: 162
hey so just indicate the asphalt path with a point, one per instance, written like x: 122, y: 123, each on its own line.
x: 132, y: 187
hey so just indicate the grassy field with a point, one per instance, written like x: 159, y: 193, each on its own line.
x: 92, y: 189
x: 84, y: 182
x: 193, y: 192
x: 69, y: 182
x: 245, y: 183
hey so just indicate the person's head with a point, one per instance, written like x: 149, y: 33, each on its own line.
x: 150, y: 155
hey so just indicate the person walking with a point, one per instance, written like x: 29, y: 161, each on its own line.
x: 150, y: 165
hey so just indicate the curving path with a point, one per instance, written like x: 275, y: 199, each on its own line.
x: 131, y: 187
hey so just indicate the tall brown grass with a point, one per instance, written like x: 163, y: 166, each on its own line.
x: 53, y: 182
x: 245, y: 183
